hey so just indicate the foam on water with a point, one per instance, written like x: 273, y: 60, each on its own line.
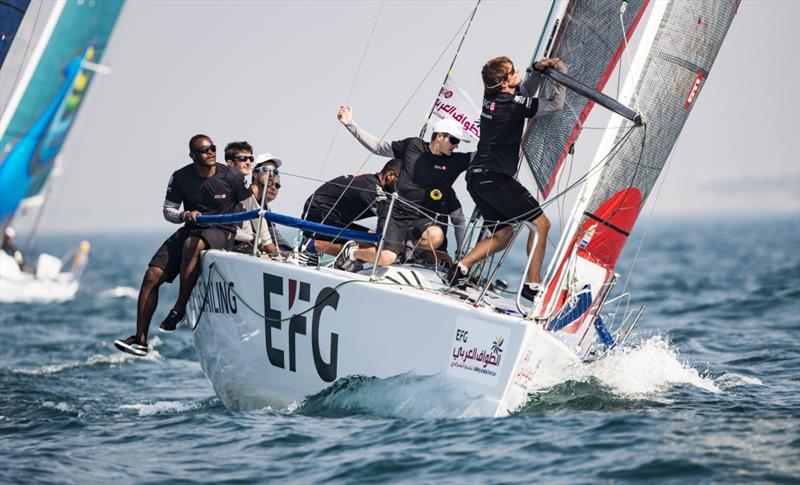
x: 649, y: 367
x: 121, y: 292
x: 162, y: 407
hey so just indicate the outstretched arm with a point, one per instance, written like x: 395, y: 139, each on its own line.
x: 369, y: 141
x: 556, y: 102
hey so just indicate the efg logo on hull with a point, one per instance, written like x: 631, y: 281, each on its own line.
x: 327, y: 297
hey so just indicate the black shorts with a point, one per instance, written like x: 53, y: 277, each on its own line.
x: 331, y: 219
x: 169, y: 255
x: 501, y: 199
x: 405, y: 226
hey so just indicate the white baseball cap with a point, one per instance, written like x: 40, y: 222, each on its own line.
x: 10, y: 232
x: 267, y: 157
x: 451, y: 127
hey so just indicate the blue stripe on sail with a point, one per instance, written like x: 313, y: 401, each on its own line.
x: 572, y: 312
x: 323, y: 229
x: 16, y: 176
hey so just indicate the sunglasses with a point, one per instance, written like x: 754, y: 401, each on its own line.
x: 453, y: 140
x: 277, y: 186
x: 242, y: 158
x: 265, y: 169
x: 205, y: 149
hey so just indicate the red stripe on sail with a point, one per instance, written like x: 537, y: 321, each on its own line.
x: 589, y: 105
x: 605, y: 243
x: 619, y: 212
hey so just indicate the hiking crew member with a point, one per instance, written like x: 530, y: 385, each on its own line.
x: 203, y: 187
x: 501, y: 199
x: 346, y: 199
x: 427, y: 174
x: 271, y: 177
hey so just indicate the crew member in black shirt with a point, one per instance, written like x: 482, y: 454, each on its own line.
x: 203, y: 187
x: 427, y: 174
x: 346, y: 199
x: 501, y: 199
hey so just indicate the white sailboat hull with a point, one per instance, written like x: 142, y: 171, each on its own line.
x: 17, y: 286
x: 354, y: 327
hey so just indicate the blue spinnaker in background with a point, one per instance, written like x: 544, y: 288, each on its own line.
x: 52, y: 96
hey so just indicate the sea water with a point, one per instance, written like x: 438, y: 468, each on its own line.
x: 706, y: 391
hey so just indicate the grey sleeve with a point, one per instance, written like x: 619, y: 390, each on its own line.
x: 173, y: 212
x: 370, y: 142
x: 244, y: 233
x: 530, y: 85
x: 555, y: 103
x: 459, y: 226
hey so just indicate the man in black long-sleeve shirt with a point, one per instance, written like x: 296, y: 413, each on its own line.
x: 346, y: 199
x: 502, y: 200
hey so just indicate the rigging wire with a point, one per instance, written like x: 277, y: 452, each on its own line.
x: 403, y: 108
x: 352, y: 87
x: 452, y: 63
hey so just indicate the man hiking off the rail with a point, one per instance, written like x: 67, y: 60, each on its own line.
x: 427, y: 174
x: 342, y: 201
x: 203, y: 187
x: 501, y: 199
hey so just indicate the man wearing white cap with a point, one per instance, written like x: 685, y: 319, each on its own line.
x: 266, y: 170
x: 427, y: 174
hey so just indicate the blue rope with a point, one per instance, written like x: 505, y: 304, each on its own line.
x: 302, y: 224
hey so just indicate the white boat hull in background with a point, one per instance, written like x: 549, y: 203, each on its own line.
x: 354, y: 327
x: 48, y: 285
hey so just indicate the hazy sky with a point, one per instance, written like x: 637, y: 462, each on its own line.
x: 274, y: 73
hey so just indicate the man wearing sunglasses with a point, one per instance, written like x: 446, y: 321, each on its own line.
x: 344, y: 200
x: 266, y: 170
x: 501, y: 199
x: 427, y: 174
x: 239, y: 156
x: 203, y: 187
x: 266, y: 183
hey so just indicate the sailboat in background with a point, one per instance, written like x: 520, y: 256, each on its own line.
x: 36, y: 120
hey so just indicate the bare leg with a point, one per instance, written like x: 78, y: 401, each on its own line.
x: 488, y: 246
x: 535, y: 269
x: 432, y: 238
x: 327, y: 247
x: 148, y: 301
x: 367, y: 255
x: 190, y: 270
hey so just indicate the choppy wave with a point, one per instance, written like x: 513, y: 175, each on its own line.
x: 644, y: 372
x: 404, y: 396
x: 114, y: 358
